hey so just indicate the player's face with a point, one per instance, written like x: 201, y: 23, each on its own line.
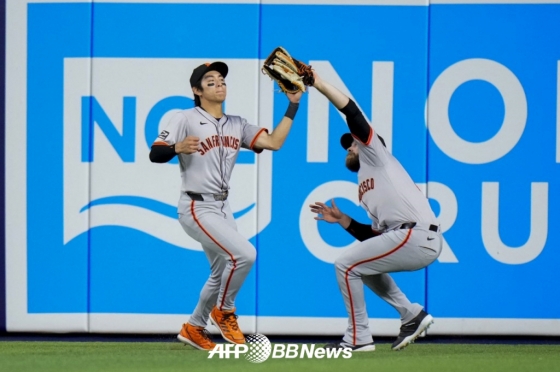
x: 352, y: 159
x: 213, y: 87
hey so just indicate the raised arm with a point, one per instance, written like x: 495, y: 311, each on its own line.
x: 338, y: 99
x: 275, y: 140
x: 356, y: 121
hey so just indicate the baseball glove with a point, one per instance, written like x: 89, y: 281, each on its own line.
x: 291, y: 75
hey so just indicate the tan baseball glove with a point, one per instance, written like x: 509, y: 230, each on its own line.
x: 291, y: 75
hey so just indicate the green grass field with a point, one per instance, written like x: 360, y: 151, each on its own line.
x: 169, y: 357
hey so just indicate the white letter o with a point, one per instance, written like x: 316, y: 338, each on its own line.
x: 515, y: 115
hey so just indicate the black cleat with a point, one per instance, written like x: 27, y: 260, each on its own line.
x: 413, y: 329
x: 340, y: 345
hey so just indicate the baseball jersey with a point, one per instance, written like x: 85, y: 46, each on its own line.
x: 209, y: 169
x: 386, y: 191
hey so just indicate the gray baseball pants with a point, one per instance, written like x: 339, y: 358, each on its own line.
x: 230, y: 255
x: 369, y: 262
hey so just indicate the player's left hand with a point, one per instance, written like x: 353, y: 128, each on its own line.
x: 294, y: 97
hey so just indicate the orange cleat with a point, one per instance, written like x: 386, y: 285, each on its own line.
x: 226, y: 321
x: 196, y: 337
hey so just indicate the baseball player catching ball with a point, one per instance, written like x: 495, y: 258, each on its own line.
x: 207, y: 142
x: 404, y: 235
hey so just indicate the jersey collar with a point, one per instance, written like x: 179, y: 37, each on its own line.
x: 204, y: 113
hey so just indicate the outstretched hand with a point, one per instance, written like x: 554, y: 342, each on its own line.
x: 325, y: 213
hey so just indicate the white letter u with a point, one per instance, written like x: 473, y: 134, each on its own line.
x: 490, y: 225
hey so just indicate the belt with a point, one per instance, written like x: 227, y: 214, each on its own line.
x: 208, y: 197
x: 410, y: 225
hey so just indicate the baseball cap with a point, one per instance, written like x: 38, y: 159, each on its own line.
x: 346, y: 140
x: 199, y: 72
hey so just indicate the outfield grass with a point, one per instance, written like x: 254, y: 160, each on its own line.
x: 169, y: 357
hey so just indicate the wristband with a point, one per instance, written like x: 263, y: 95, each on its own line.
x: 291, y: 111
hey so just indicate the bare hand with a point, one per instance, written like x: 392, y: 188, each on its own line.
x: 187, y: 146
x: 294, y: 97
x: 325, y: 213
x: 317, y: 81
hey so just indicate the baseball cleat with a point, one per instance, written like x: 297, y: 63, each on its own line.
x: 226, y: 321
x: 341, y: 345
x: 195, y: 336
x: 413, y: 329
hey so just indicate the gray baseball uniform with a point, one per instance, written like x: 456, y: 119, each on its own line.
x: 204, y: 212
x: 391, y: 199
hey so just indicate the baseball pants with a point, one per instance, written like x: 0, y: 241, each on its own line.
x: 369, y: 262
x: 230, y: 255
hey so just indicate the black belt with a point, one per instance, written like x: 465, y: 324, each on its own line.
x: 199, y: 197
x: 410, y: 225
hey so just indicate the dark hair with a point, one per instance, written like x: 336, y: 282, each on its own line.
x: 198, y: 85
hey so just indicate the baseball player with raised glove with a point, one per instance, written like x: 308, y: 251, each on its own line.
x: 207, y: 142
x: 403, y: 236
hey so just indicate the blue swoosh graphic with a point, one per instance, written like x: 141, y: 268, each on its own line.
x: 243, y: 211
x: 149, y: 204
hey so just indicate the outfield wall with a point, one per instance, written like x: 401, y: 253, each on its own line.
x: 466, y: 95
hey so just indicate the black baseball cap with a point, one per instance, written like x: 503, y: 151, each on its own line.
x: 346, y: 140
x: 199, y: 72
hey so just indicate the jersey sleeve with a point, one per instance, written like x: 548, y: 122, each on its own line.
x: 373, y: 152
x: 249, y: 135
x: 175, y: 131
